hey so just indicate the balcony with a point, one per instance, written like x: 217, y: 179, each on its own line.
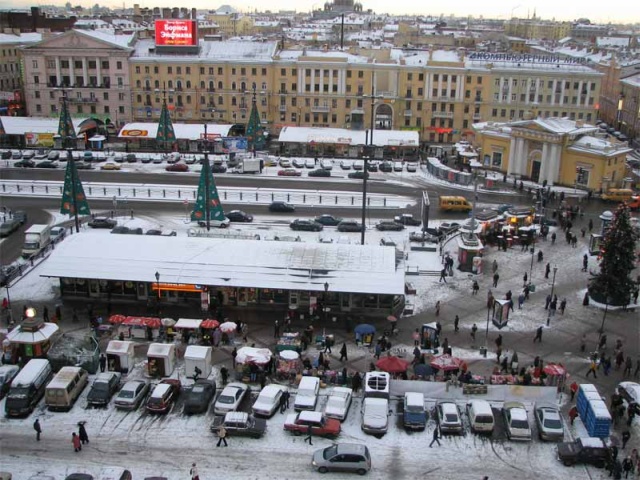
x: 282, y: 108
x: 444, y: 99
x: 442, y: 114
x: 320, y: 109
x: 385, y: 94
x: 81, y: 100
x: 478, y: 100
x: 408, y: 113
x: 477, y: 116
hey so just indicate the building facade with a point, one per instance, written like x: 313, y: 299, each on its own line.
x: 555, y: 151
x: 91, y: 66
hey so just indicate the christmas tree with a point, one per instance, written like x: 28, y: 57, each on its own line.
x: 617, y: 261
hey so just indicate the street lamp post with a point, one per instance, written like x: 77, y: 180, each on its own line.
x: 158, y: 288
x: 553, y: 284
x: 324, y: 303
x: 604, y: 317
x: 368, y: 154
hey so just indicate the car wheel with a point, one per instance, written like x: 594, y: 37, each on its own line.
x: 297, y: 433
x: 224, y: 225
x: 323, y: 470
x: 362, y: 471
x: 567, y: 463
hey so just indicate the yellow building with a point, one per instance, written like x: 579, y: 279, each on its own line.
x: 232, y: 24
x: 555, y: 150
x: 536, y: 29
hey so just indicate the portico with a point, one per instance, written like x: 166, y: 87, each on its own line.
x: 535, y: 154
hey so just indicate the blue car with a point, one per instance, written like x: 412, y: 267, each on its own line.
x: 415, y: 415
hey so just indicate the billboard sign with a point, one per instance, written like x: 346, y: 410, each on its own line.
x: 176, y: 33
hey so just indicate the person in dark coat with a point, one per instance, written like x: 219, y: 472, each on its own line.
x: 627, y: 466
x: 626, y: 435
x: 538, y: 336
x: 37, y: 428
x: 356, y: 382
x: 435, y: 438
x: 286, y: 395
x: 82, y: 433
x: 234, y: 354
x: 309, y: 435
x: 343, y: 353
x: 103, y: 362
x: 45, y: 314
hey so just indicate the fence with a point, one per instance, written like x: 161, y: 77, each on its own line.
x: 439, y: 170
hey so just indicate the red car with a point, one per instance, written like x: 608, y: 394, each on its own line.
x: 177, y: 167
x: 163, y: 396
x: 289, y: 172
x: 299, y: 423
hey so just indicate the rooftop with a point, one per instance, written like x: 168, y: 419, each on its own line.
x: 231, y: 51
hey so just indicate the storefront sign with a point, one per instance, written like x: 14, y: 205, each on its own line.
x: 177, y: 287
x: 176, y: 33
x: 134, y: 133
x: 525, y: 58
x: 39, y: 139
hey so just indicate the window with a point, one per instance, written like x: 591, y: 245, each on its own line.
x: 156, y: 69
x: 137, y: 69
x: 503, y: 113
x: 409, y: 77
x: 188, y: 70
x: 420, y: 92
x: 264, y: 72
x: 348, y: 73
x: 38, y: 108
x: 119, y: 65
x: 360, y: 74
x: 36, y: 79
x: 169, y: 70
x: 421, y: 77
x: 283, y: 72
x: 233, y: 71
x: 436, y: 77
x: 105, y: 95
x: 467, y: 94
x: 121, y: 109
x: 434, y: 92
x: 496, y: 159
x: 220, y: 71
x: 445, y: 78
x: 37, y: 94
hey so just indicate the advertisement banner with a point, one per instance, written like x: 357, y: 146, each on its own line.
x: 39, y: 139
x: 176, y: 33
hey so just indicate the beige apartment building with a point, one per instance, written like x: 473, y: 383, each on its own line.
x: 91, y: 66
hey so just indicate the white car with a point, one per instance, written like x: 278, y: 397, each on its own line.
x: 230, y: 398
x: 310, y: 163
x: 326, y: 164
x: 268, y: 400
x: 516, y: 421
x: 338, y: 403
x: 375, y: 415
x: 285, y: 163
x: 630, y: 391
x: 131, y: 395
x: 398, y: 166
x: 448, y: 417
x: 307, y: 395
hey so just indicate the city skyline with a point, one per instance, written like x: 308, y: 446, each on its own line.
x: 614, y: 11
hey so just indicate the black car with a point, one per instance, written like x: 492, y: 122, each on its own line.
x: 281, y: 207
x: 6, y: 155
x: 102, y: 222
x: 328, y: 220
x: 25, y: 164
x: 358, y: 175
x: 386, y: 167
x: 103, y: 388
x: 239, y: 216
x: 349, y: 226
x: 372, y: 167
x: 408, y: 220
x: 218, y: 168
x: 320, y: 172
x: 8, y: 273
x: 47, y: 164
x: 305, y: 225
x: 424, y: 237
x: 199, y: 396
x: 83, y: 166
x: 584, y: 450
x: 121, y: 230
x: 388, y: 225
x: 131, y: 158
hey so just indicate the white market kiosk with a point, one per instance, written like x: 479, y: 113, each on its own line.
x: 120, y: 356
x: 191, y: 324
x: 161, y: 359
x: 197, y: 356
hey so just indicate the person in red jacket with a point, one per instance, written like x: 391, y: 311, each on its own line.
x: 573, y: 388
x: 75, y: 439
x: 573, y: 413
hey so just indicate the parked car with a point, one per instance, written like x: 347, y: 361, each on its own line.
x: 398, y: 166
x: 131, y: 395
x: 358, y: 165
x: 199, y: 396
x: 298, y: 162
x: 164, y: 395
x: 103, y: 388
x: 117, y: 158
x: 412, y: 167
x: 225, y: 223
x: 177, y: 167
x: 146, y: 159
x: 424, y: 237
x: 239, y: 216
x: 41, y: 155
x: 375, y: 415
x: 102, y: 222
x: 83, y: 166
x: 7, y: 372
x: 289, y: 172
x: 448, y: 227
x: 349, y: 226
x: 358, y: 175
x: 549, y: 422
x: 338, y: 403
x: 16, y: 154
x: 131, y: 158
x: 386, y: 167
x: 342, y: 457
x: 121, y: 230
x: 218, y: 169
x: 110, y: 166
x: 388, y: 225
x: 328, y: 220
x: 240, y: 424
x: 6, y: 155
x: 309, y: 163
x: 28, y: 155
x: 281, y: 207
x: 25, y: 164
x: 307, y: 395
x: 630, y: 391
x: 516, y: 421
x: 163, y: 233
x: 448, y: 417
x: 285, y: 163
x: 321, y: 426
x: 157, y: 159
x: 408, y: 220
x: 326, y: 164
x: 591, y: 450
x: 372, y: 166
x: 319, y: 172
x: 305, y: 225
x: 268, y: 400
x: 46, y: 164
x: 503, y: 208
x: 414, y: 416
x: 481, y: 419
x: 230, y: 398
x: 345, y: 164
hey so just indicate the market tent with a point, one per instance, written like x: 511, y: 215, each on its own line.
x: 188, y: 323
x: 364, y: 329
x: 42, y: 334
x: 151, y: 322
x: 446, y: 363
x: 392, y: 364
x: 228, y: 327
x: 117, y: 319
x: 259, y: 356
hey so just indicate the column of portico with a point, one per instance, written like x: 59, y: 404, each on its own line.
x: 554, y: 172
x: 72, y: 73
x: 58, y: 72
x: 85, y: 72
x: 99, y: 72
x: 511, y: 169
x: 522, y: 160
x: 544, y: 164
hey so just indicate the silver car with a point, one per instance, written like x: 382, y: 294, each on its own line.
x: 549, y: 423
x: 131, y: 395
x: 342, y: 457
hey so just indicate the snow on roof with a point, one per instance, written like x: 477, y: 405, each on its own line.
x: 191, y: 323
x: 562, y: 125
x: 270, y: 391
x: 229, y: 262
x: 307, y: 416
x: 20, y: 39
x: 122, y: 40
x: 196, y: 352
x: 613, y: 41
x: 347, y: 137
x: 22, y: 125
x: 414, y: 399
x: 599, y: 146
x: 518, y: 413
x: 183, y: 131
x: 632, y: 81
x: 116, y: 347
x: 161, y: 350
x: 29, y: 372
x: 350, y: 58
x: 160, y: 390
x: 230, y: 50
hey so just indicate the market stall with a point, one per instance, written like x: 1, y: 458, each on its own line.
x: 141, y: 328
x: 228, y: 330
x: 446, y: 364
x: 289, y: 365
x: 31, y: 339
x: 120, y: 356
x: 197, y: 356
x: 250, y: 363
x: 365, y: 334
x: 392, y: 364
x: 161, y: 358
x: 189, y: 328
x: 556, y: 375
x: 289, y: 341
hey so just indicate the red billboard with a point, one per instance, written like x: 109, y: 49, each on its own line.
x: 176, y: 33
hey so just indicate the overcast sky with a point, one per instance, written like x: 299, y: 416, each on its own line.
x: 599, y: 11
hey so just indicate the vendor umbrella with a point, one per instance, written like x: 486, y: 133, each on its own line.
x: 210, y: 323
x: 392, y: 318
x: 116, y: 319
x: 228, y: 327
x: 392, y: 364
x: 168, y: 322
x: 446, y: 363
x: 554, y: 369
x: 364, y: 329
x: 423, y: 370
x: 289, y: 355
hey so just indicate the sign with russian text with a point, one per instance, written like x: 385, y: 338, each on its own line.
x: 176, y: 33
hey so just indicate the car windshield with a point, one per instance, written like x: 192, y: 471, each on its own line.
x: 330, y: 452
x: 451, y: 418
x: 335, y: 402
x: 198, y: 389
x: 519, y: 424
x: 126, y: 394
x: 100, y: 387
x: 228, y: 399
x: 418, y: 409
x: 553, y: 423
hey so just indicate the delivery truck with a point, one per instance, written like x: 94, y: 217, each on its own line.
x: 36, y: 239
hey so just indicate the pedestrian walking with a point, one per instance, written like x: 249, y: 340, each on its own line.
x: 103, y: 362
x: 475, y: 288
x: 82, y: 433
x: 286, y: 395
x: 628, y: 365
x: 435, y: 438
x: 276, y: 329
x: 45, y: 314
x: 309, y: 435
x: 377, y: 351
x: 627, y: 466
x: 563, y: 305
x: 456, y: 321
x: 474, y: 329
x: 553, y: 238
x: 75, y: 440
x: 520, y: 301
x: 498, y: 354
x: 573, y: 388
x: 631, y: 413
x: 590, y: 225
x: 438, y: 308
x: 222, y: 436
x: 585, y: 262
x: 496, y: 277
x: 224, y: 373
x: 443, y: 275
x: 525, y: 277
x: 538, y: 336
x: 234, y: 354
x: 495, y: 266
x: 626, y: 435
x: 592, y: 369
x: 416, y: 338
x: 327, y: 344
x: 573, y: 413
x: 37, y: 428
x: 583, y: 344
x: 343, y: 353
x: 553, y: 307
x: 194, y: 472
x: 547, y: 270
x: 356, y: 382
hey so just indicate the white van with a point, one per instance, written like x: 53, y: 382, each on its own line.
x: 65, y: 388
x: 27, y: 388
x: 307, y: 396
x: 480, y: 416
